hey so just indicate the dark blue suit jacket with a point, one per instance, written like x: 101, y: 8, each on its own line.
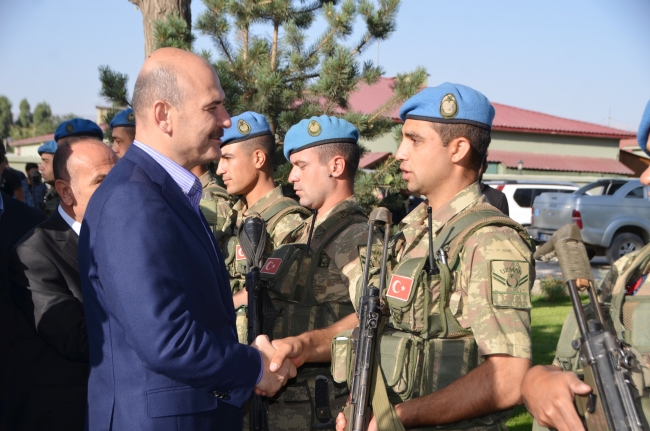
x: 161, y: 324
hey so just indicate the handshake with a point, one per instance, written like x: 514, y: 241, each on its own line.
x: 277, y: 369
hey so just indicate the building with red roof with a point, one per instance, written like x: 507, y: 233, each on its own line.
x: 546, y: 145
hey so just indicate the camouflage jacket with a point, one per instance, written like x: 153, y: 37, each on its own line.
x: 500, y: 323
x: 215, y: 202
x: 286, y: 230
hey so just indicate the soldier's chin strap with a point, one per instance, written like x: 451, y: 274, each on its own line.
x: 311, y: 229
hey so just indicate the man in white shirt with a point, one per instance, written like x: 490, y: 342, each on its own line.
x: 48, y: 372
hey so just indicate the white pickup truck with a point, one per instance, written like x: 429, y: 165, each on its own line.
x: 613, y: 216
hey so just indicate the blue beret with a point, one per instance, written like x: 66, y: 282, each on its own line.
x: 244, y: 127
x: 449, y: 103
x: 48, y: 147
x: 78, y: 127
x: 318, y: 131
x: 125, y: 118
x: 644, y: 130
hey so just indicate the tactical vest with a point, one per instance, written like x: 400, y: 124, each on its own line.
x: 627, y: 316
x: 290, y: 275
x: 233, y: 255
x: 423, y: 347
x: 212, y: 197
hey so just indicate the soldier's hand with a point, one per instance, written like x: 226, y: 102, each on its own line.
x: 341, y: 422
x: 549, y: 392
x: 288, y: 348
x: 240, y: 298
x: 273, y: 378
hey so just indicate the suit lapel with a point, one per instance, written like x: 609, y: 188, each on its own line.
x: 179, y: 203
x: 66, y: 238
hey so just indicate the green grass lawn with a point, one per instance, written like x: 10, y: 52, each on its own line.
x: 547, y: 319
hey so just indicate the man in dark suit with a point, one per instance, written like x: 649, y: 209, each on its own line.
x: 164, y: 353
x: 16, y: 219
x: 49, y: 356
x: 495, y: 197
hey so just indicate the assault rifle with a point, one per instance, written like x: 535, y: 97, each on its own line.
x: 252, y: 239
x: 606, y: 360
x: 357, y: 412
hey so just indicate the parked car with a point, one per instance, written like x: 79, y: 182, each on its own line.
x: 613, y: 216
x: 521, y: 194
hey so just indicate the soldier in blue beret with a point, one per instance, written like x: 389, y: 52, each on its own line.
x: 46, y: 151
x: 77, y: 127
x: 123, y: 131
x: 246, y: 168
x: 446, y: 134
x: 325, y: 154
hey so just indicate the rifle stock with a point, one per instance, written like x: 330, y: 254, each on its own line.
x: 358, y: 411
x: 605, y: 359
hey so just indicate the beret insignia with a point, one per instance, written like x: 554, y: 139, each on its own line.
x: 448, y: 106
x: 69, y: 127
x: 243, y: 127
x: 131, y: 117
x: 314, y: 128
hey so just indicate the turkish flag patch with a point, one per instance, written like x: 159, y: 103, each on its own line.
x: 239, y: 253
x: 400, y: 287
x: 271, y: 266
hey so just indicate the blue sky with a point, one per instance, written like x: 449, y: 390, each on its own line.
x: 582, y: 59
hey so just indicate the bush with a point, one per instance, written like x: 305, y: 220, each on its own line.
x: 552, y: 288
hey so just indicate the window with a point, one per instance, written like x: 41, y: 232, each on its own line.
x: 635, y: 193
x: 523, y: 197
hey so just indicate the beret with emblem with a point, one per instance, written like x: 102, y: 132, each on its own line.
x: 315, y: 131
x: 78, y: 127
x: 246, y: 126
x: 125, y: 118
x: 451, y: 104
x: 644, y: 130
x: 48, y: 147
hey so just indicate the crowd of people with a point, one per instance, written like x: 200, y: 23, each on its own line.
x: 123, y: 297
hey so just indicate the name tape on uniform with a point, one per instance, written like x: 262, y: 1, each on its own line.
x: 400, y: 287
x: 239, y: 253
x: 271, y: 266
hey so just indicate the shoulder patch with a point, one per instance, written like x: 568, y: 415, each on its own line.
x: 400, y: 287
x: 510, y: 284
x: 272, y: 265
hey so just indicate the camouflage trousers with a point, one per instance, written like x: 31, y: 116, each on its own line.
x: 294, y: 408
x: 242, y: 324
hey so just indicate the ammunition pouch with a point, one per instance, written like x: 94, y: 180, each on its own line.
x: 423, y: 347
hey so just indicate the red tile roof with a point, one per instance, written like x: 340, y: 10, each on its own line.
x: 34, y: 140
x: 43, y: 138
x: 368, y: 98
x: 371, y: 159
x: 513, y: 119
x: 553, y: 162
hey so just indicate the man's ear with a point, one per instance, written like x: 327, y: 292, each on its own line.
x: 337, y: 166
x: 64, y: 190
x: 162, y: 117
x: 460, y: 149
x: 259, y: 158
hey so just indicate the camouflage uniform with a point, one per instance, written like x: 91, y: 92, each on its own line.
x: 215, y: 202
x: 51, y: 201
x: 283, y: 228
x: 489, y: 302
x: 338, y: 267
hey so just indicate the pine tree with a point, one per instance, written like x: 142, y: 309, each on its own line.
x: 115, y: 90
x: 287, y: 78
x: 6, y: 117
x: 153, y: 10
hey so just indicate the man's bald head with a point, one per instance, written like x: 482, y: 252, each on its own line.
x: 163, y: 77
x: 178, y: 104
